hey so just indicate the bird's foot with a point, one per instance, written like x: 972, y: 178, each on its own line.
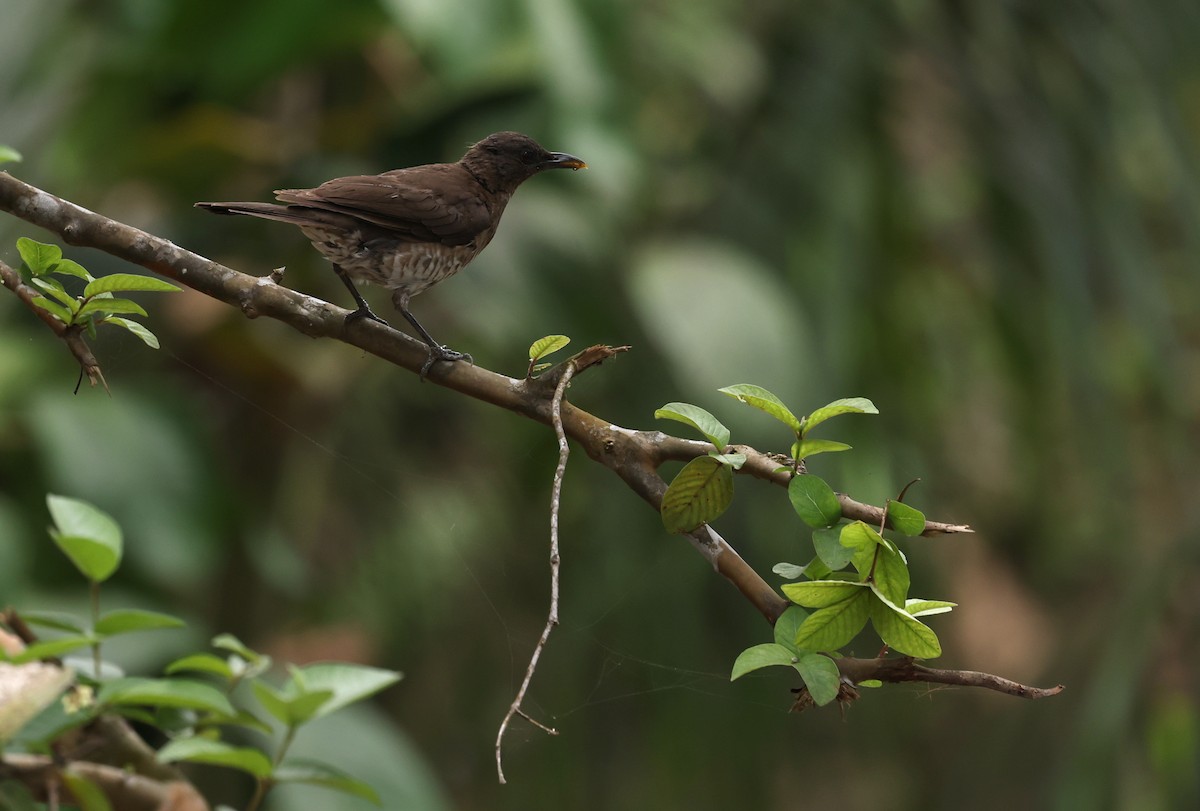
x: 439, y: 352
x: 365, y: 312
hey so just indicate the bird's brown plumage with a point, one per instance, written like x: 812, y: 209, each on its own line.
x: 409, y: 229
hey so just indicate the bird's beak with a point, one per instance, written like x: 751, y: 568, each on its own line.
x: 561, y: 160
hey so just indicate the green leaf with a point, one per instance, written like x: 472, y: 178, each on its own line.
x: 243, y: 718
x: 699, y: 494
x: 126, y: 620
x: 538, y: 367
x: 734, y: 460
x: 821, y: 593
x: 787, y: 625
x: 547, y: 346
x: 828, y: 545
x: 293, y: 706
x: 69, y: 267
x: 315, y: 773
x: 232, y: 644
x: 57, y: 310
x: 56, y: 620
x: 165, y: 693
x: 147, y: 337
x: 811, y: 447
x: 39, y: 257
x: 349, y: 683
x: 704, y: 422
x: 821, y: 677
x: 200, y: 663
x: 53, y: 648
x: 891, y: 575
x: 831, y: 628
x: 862, y: 540
x: 111, y: 305
x: 763, y: 400
x: 88, y: 796
x: 814, y: 501
x: 54, y: 287
x: 901, y: 631
x: 88, y: 536
x: 764, y: 655
x: 127, y: 282
x: 870, y: 683
x: 790, y: 571
x: 904, y: 519
x: 273, y: 701
x: 923, y: 608
x: 8, y: 154
x: 817, y: 570
x: 849, y: 405
x: 217, y: 753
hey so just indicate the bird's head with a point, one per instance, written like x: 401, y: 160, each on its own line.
x: 503, y: 160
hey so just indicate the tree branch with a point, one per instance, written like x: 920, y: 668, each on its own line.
x: 632, y: 455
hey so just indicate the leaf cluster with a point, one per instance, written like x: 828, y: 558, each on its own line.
x: 192, y: 711
x: 41, y: 262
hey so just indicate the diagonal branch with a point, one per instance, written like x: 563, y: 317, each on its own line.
x: 632, y: 455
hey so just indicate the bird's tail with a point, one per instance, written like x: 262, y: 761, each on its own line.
x: 268, y: 211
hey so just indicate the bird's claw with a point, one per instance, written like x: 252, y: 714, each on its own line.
x: 365, y: 312
x: 445, y: 353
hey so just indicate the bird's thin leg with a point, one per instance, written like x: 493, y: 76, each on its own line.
x: 436, y: 351
x: 364, y: 310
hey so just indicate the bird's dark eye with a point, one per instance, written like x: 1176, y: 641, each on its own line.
x: 527, y: 156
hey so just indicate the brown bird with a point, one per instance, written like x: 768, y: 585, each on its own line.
x: 409, y: 229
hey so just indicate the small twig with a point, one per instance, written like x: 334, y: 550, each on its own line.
x: 564, y: 450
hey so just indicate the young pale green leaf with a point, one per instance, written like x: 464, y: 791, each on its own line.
x: 69, y: 267
x: 849, y: 405
x: 57, y: 310
x: 217, y: 753
x: 763, y: 655
x: 55, y: 620
x: 870, y: 683
x: 126, y: 282
x: 734, y: 460
x: 538, y: 367
x: 315, y: 773
x: 232, y: 644
x: 200, y: 663
x: 924, y: 608
x: 88, y: 796
x: 53, y: 648
x: 146, y: 336
x: 811, y: 447
x: 273, y: 701
x: 831, y: 628
x: 789, y: 571
x: 39, y: 257
x: 243, y: 718
x: 349, y: 683
x: 821, y: 677
x: 8, y: 154
x: 106, y: 306
x: 821, y: 593
x: 547, y: 346
x: 55, y: 289
x: 828, y: 545
x: 814, y: 501
x: 165, y: 693
x: 862, y: 541
x: 891, y: 574
x: 817, y: 570
x: 704, y: 422
x: 763, y: 400
x: 126, y: 620
x: 788, y: 624
x: 901, y: 631
x: 904, y: 519
x: 88, y: 536
x: 699, y: 494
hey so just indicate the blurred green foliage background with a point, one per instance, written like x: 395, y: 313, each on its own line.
x: 983, y: 216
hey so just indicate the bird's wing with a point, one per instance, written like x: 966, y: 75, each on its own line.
x: 439, y: 202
